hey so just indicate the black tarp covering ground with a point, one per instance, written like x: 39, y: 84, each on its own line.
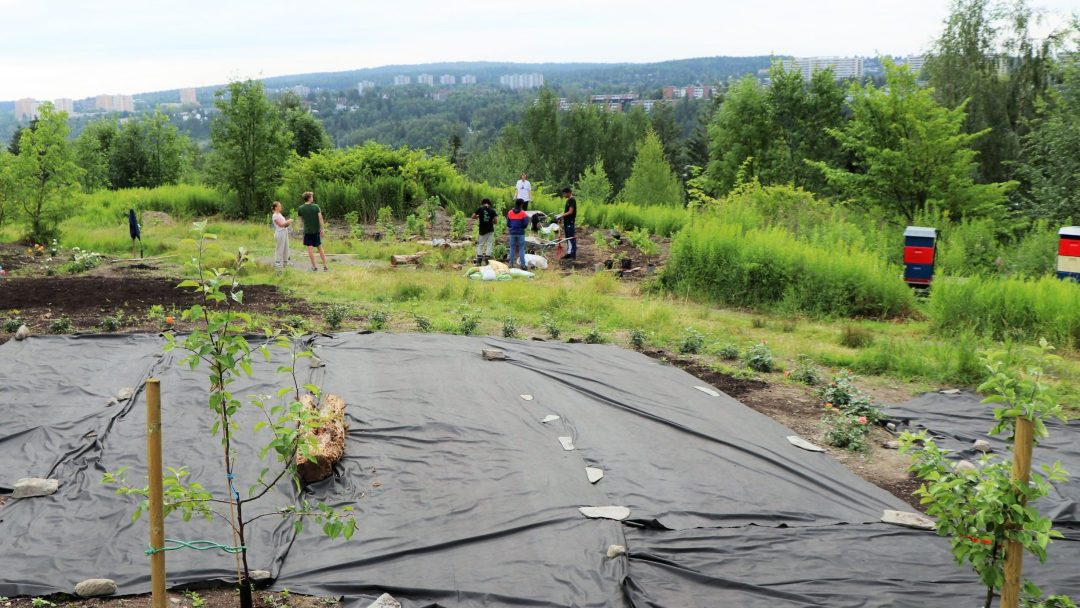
x: 955, y: 421
x: 464, y: 497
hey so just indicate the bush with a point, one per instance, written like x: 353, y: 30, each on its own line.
x: 423, y: 323
x: 594, y: 336
x: 409, y: 291
x: 805, y: 371
x: 692, y: 342
x: 12, y: 324
x: 82, y: 261
x: 853, y: 336
x: 457, y: 225
x: 759, y: 358
x: 509, y: 329
x: 378, y: 319
x: 296, y: 322
x: 550, y: 325
x: 385, y: 219
x: 469, y: 322
x: 728, y: 351
x: 842, y: 394
x: 60, y: 326
x: 335, y: 315
x: 111, y: 322
x: 639, y: 338
x: 847, y: 431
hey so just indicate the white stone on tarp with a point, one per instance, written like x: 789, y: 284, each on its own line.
x: 950, y: 391
x: 567, y: 443
x: 125, y: 393
x: 316, y: 362
x: 707, y: 391
x: 493, y: 354
x: 22, y: 333
x: 594, y: 474
x: 891, y: 445
x: 981, y: 445
x: 29, y: 487
x: 385, y: 601
x: 965, y: 465
x: 908, y: 520
x: 614, y: 551
x: 260, y: 575
x: 610, y: 512
x: 95, y: 587
x: 889, y: 426
x: 549, y: 418
x: 527, y: 397
x: 799, y: 442
x: 111, y: 402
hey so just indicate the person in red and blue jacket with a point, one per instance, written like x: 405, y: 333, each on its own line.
x: 517, y: 221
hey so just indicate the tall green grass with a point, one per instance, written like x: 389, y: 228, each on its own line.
x: 181, y: 201
x: 1007, y: 308
x: 770, y: 268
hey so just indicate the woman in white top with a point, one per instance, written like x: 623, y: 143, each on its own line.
x: 281, y: 237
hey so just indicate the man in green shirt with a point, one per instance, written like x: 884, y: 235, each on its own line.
x: 314, y: 227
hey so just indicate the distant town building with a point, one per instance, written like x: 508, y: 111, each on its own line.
x: 564, y: 104
x: 842, y: 67
x: 26, y: 109
x: 468, y: 79
x: 646, y: 104
x: 364, y: 85
x: 441, y: 95
x: 301, y: 91
x: 427, y: 79
x: 402, y: 79
x: 522, y: 81
x: 447, y: 79
x: 103, y: 102
x: 614, y: 103
x: 915, y: 63
x: 64, y: 104
x: 188, y: 97
x: 114, y: 103
x: 696, y: 91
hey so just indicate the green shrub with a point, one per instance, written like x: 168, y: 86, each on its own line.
x: 296, y: 322
x: 111, y: 322
x: 510, y: 329
x: 759, y: 357
x: 728, y: 351
x: 805, y: 371
x: 457, y: 225
x: 594, y: 336
x: 423, y: 323
x: 639, y: 338
x: 82, y: 261
x: 847, y: 431
x: 378, y: 319
x: 385, y: 221
x: 60, y: 326
x: 550, y: 325
x: 409, y: 291
x: 414, y: 226
x: 12, y: 324
x: 335, y: 315
x: 469, y: 322
x: 692, y: 342
x: 842, y: 394
x: 853, y: 336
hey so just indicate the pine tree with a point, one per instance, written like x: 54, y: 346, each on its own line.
x: 652, y: 182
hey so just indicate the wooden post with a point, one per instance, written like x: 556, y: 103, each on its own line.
x: 153, y: 473
x: 1014, y: 551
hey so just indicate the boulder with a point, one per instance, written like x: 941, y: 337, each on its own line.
x: 30, y: 487
x: 966, y: 466
x: 493, y: 354
x: 22, y: 333
x: 329, y: 438
x: 981, y: 445
x: 259, y: 576
x: 95, y: 587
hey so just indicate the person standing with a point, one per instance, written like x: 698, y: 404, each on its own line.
x: 517, y: 221
x: 523, y: 191
x: 486, y: 229
x: 314, y: 229
x: 281, y: 237
x: 569, y: 217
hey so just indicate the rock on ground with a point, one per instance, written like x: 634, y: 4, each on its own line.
x: 95, y: 587
x: 385, y: 601
x: 29, y: 487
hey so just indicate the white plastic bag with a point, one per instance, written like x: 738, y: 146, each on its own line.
x: 535, y: 261
x: 487, y: 273
x: 517, y: 272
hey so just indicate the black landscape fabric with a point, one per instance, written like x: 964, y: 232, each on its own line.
x: 463, y: 496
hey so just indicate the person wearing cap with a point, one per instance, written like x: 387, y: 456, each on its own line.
x: 523, y: 191
x: 568, y: 217
x: 516, y: 222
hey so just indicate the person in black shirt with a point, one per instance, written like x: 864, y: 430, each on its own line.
x: 568, y: 217
x: 486, y: 215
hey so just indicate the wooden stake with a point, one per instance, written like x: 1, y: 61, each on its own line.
x: 153, y: 473
x: 1014, y: 551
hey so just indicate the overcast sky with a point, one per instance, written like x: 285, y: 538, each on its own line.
x: 64, y: 48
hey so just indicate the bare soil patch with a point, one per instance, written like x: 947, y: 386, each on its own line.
x: 203, y: 598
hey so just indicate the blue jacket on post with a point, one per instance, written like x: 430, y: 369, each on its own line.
x: 517, y: 222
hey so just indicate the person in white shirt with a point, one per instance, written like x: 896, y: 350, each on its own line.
x: 281, y: 237
x: 524, y: 190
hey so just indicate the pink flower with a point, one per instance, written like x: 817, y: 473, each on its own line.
x: 862, y: 419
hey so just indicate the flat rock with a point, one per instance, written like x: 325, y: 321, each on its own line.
x: 609, y: 512
x: 95, y: 587
x: 385, y: 601
x: 981, y: 445
x: 125, y: 393
x: 29, y: 487
x: 260, y: 575
x: 908, y: 520
x: 799, y: 442
x: 708, y: 391
x: 549, y: 418
x: 594, y: 474
x: 965, y: 466
x: 891, y: 445
x: 22, y: 333
x: 316, y: 362
x: 614, y: 551
x: 567, y: 443
x: 950, y: 391
x: 493, y: 354
x: 527, y: 397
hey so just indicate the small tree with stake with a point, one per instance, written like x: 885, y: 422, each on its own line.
x: 987, y: 513
x: 218, y: 341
